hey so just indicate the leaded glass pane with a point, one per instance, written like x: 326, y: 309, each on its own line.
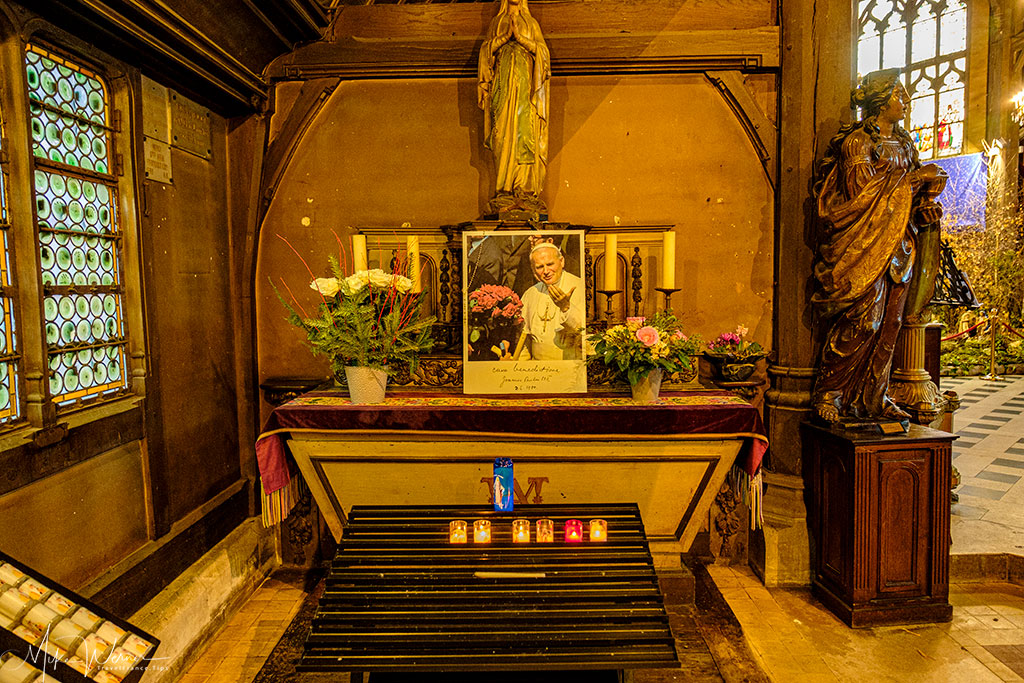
x: 69, y: 112
x: 867, y: 53
x: 935, y: 43
x: 894, y: 48
x: 950, y: 129
x: 923, y: 45
x: 954, y: 32
x: 922, y: 112
x: 9, y: 402
x: 79, y: 236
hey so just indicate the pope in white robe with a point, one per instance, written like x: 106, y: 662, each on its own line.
x: 554, y: 309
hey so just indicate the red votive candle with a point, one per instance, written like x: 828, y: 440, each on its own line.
x: 573, y: 531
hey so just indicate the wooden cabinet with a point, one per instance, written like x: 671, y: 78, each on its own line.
x: 880, y: 524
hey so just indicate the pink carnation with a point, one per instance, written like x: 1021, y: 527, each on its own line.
x: 648, y: 336
x: 679, y: 335
x: 639, y: 320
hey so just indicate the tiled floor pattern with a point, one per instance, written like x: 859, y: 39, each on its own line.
x: 242, y: 646
x: 798, y: 640
x: 989, y: 455
x: 792, y: 636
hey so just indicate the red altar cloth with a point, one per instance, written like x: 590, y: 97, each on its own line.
x: 704, y: 415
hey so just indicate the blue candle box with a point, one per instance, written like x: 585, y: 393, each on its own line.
x: 503, y: 485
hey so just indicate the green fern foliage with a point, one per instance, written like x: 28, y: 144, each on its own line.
x: 369, y: 319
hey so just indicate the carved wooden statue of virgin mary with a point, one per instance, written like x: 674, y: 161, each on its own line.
x: 877, y: 211
x: 513, y: 73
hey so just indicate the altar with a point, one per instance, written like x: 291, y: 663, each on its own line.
x: 670, y: 458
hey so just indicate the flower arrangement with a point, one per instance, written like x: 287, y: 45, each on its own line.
x: 370, y: 318
x: 734, y: 344
x: 643, y: 344
x: 495, y: 311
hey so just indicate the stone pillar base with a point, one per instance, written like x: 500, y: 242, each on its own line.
x: 780, y: 555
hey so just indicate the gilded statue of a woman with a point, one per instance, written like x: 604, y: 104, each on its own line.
x: 873, y: 200
x: 513, y: 73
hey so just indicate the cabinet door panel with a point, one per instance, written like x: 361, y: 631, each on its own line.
x: 903, y: 485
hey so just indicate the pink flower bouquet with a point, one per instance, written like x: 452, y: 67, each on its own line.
x: 495, y: 316
x: 643, y: 344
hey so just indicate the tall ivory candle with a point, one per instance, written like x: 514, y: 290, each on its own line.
x: 358, y: 252
x: 412, y: 243
x: 668, y: 255
x: 611, y: 260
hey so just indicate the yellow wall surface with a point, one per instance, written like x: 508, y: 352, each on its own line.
x: 639, y: 150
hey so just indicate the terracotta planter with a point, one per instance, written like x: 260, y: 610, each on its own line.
x: 366, y: 385
x: 647, y: 387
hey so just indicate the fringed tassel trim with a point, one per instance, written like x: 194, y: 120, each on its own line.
x: 278, y: 504
x: 751, y: 491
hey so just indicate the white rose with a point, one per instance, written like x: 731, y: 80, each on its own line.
x: 402, y: 283
x: 328, y: 286
x: 354, y: 282
x: 378, y: 278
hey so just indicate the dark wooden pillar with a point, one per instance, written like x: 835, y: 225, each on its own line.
x: 817, y: 74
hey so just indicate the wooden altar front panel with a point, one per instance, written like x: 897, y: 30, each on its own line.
x: 672, y: 480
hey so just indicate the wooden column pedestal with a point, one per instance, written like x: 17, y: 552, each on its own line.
x: 879, y: 514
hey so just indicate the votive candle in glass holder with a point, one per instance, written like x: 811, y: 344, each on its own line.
x: 521, y: 531
x: 545, y: 531
x: 573, y: 531
x: 482, y: 531
x: 598, y: 530
x: 457, y: 531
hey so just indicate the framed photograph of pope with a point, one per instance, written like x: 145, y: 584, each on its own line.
x: 525, y: 312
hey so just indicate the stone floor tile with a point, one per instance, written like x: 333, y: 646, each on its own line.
x: 976, y: 610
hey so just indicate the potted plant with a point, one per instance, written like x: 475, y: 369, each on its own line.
x: 365, y: 323
x: 732, y: 357
x: 643, y: 349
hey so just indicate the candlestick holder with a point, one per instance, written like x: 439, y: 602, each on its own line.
x: 609, y: 294
x: 668, y: 292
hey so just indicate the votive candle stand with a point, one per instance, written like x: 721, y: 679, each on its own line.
x: 457, y: 531
x: 482, y: 531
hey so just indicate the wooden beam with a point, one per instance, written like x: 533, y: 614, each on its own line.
x: 681, y: 51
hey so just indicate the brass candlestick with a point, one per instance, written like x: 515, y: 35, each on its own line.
x: 668, y: 292
x: 609, y: 293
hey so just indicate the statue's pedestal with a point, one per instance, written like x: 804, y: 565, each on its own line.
x: 880, y: 524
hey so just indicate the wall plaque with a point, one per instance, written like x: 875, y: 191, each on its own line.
x: 155, y: 120
x: 190, y: 126
x: 158, y: 160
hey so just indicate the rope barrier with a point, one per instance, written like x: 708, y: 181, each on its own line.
x: 967, y: 331
x: 1013, y: 330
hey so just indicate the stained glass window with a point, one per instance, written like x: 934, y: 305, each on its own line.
x: 9, y: 396
x: 928, y: 40
x: 79, y: 234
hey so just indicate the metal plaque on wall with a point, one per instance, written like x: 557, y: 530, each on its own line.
x: 155, y: 121
x: 190, y: 126
x: 158, y: 160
